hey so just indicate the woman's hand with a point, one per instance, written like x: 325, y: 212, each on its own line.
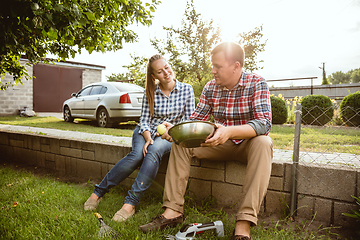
x: 166, y: 134
x: 147, y: 143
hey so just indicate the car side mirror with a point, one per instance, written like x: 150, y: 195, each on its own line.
x: 73, y: 94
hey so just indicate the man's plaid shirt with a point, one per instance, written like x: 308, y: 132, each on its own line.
x: 173, y: 109
x: 249, y: 100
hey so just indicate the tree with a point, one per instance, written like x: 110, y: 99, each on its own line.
x: 36, y: 28
x: 355, y: 76
x: 188, y: 48
x: 252, y: 46
x: 339, y: 77
x: 137, y: 71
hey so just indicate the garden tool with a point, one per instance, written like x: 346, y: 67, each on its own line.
x: 190, y: 230
x: 106, y: 231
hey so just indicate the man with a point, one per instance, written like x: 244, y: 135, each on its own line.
x: 240, y: 105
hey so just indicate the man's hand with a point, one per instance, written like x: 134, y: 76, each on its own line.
x: 220, y: 137
x: 166, y: 135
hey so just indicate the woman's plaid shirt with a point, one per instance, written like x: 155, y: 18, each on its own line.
x: 248, y: 100
x: 173, y: 109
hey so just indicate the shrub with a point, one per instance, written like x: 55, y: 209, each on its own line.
x: 317, y: 110
x: 350, y: 109
x: 279, y: 110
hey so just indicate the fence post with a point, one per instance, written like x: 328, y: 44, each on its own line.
x: 294, y: 175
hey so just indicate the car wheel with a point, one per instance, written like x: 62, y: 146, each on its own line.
x: 67, y: 115
x: 103, y: 118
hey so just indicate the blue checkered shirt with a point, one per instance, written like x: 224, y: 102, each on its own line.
x: 173, y: 109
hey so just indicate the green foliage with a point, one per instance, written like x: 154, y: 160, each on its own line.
x: 325, y: 81
x: 356, y: 214
x: 36, y: 28
x: 137, y: 70
x: 279, y: 110
x: 350, y: 109
x: 317, y: 110
x: 120, y: 77
x: 355, y: 76
x: 352, y: 76
x: 250, y: 41
x: 189, y: 47
x: 188, y: 50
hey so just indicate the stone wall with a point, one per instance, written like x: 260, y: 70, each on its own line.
x: 221, y: 179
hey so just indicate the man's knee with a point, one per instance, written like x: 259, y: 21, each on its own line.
x: 262, y: 141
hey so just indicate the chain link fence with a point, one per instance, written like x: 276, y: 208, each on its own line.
x: 325, y: 161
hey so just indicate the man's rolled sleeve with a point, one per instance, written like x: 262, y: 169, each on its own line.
x: 262, y: 107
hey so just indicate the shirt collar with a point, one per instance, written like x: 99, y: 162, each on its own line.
x: 177, y: 87
x: 240, y: 83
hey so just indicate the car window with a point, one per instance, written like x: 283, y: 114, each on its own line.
x: 103, y: 90
x: 84, y: 92
x: 96, y: 90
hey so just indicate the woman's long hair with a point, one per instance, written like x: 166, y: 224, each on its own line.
x: 150, y: 81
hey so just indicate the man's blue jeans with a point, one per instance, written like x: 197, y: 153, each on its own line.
x: 149, y: 166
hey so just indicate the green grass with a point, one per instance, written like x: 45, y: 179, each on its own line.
x: 315, y: 139
x: 312, y: 139
x: 124, y: 130
x: 44, y: 207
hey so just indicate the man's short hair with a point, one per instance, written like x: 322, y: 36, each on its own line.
x: 233, y: 52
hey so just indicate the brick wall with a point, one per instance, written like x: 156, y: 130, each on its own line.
x: 223, y: 180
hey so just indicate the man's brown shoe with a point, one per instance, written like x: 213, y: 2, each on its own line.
x: 160, y: 222
x: 240, y: 237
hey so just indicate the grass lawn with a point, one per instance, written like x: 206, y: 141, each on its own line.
x: 37, y: 205
x: 80, y: 125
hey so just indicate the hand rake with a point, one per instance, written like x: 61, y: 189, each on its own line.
x: 106, y: 231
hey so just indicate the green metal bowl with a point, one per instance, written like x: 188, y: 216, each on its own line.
x: 191, y: 134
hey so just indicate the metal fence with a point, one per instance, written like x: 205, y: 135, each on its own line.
x: 339, y: 150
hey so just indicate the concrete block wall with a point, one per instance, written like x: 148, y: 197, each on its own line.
x: 221, y: 179
x: 91, y: 76
x: 17, y: 97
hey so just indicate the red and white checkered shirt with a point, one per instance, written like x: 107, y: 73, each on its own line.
x: 248, y: 100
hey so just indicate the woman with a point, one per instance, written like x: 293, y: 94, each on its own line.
x: 165, y: 99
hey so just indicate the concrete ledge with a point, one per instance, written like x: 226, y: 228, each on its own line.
x: 92, y: 160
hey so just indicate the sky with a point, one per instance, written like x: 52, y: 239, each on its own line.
x: 301, y: 35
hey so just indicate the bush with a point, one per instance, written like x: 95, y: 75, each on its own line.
x: 317, y: 110
x: 279, y: 110
x: 350, y: 109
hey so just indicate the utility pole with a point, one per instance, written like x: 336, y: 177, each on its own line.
x: 324, y: 79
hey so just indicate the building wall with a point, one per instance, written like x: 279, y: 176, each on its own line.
x: 15, y: 98
x: 91, y: 76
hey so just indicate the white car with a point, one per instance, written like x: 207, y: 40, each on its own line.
x: 105, y: 102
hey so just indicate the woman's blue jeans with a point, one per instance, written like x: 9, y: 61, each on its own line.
x: 149, y: 166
